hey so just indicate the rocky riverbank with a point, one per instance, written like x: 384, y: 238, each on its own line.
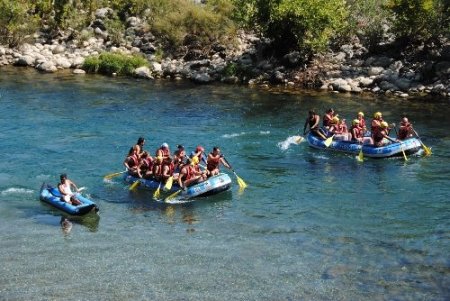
x: 352, y: 69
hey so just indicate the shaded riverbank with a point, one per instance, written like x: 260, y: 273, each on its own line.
x: 349, y: 69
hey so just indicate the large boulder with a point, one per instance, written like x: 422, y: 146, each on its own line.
x: 143, y: 72
x: 47, y: 66
x: 201, y: 78
x: 104, y: 12
x: 25, y: 60
x: 341, y: 85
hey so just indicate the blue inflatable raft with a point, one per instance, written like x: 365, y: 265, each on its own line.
x: 409, y: 146
x: 51, y: 195
x: 212, y: 185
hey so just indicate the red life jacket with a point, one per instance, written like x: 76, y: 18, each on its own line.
x: 356, y: 132
x: 189, y: 173
x: 327, y: 120
x: 132, y: 161
x: 213, y: 163
x: 375, y: 126
x: 147, y: 163
x: 378, y: 137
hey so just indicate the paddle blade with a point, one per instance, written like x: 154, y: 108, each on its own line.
x: 328, y: 141
x: 173, y: 195
x: 360, y: 156
x: 112, y: 175
x: 298, y: 139
x: 426, y: 150
x: 134, y: 185
x: 240, y: 182
x: 157, y: 192
x: 403, y: 152
x: 169, y: 183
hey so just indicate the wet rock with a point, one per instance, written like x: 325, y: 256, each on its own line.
x: 375, y: 71
x: 78, y: 71
x: 341, y: 85
x: 292, y: 59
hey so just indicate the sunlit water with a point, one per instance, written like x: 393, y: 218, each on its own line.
x: 311, y: 225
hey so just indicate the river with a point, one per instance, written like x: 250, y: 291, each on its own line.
x: 311, y: 225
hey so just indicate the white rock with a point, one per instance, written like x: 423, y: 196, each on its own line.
x: 47, y: 66
x: 62, y: 62
x: 79, y: 71
x: 201, y: 78
x: 143, y: 72
x: 375, y: 71
x: 25, y: 60
x: 77, y: 61
x: 156, y: 67
x: 58, y: 49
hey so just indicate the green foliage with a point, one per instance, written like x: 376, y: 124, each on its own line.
x: 109, y: 63
x: 367, y: 20
x: 307, y: 25
x: 176, y: 19
x: 420, y: 19
x: 15, y: 21
x: 234, y: 69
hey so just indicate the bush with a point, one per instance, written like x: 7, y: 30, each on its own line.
x: 15, y: 21
x: 109, y: 63
x: 420, y: 20
x: 305, y: 25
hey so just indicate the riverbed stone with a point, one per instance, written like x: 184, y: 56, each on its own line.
x: 375, y: 71
x: 201, y: 78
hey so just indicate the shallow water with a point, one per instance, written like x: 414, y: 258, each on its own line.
x: 311, y: 225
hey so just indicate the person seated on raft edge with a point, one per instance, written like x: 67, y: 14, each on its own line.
x: 146, y: 165
x: 406, y: 130
x: 381, y: 137
x: 362, y: 122
x: 313, y: 121
x: 65, y: 190
x: 357, y: 133
x: 131, y: 163
x: 191, y: 174
x: 139, y: 147
x: 163, y: 151
x: 214, y: 160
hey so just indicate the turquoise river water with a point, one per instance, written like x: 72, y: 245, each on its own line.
x: 312, y: 225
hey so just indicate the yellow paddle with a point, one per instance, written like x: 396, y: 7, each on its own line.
x: 426, y: 150
x: 157, y: 193
x: 360, y: 156
x: 112, y: 175
x: 169, y: 183
x: 328, y: 141
x: 173, y: 195
x: 134, y: 185
x: 401, y: 143
x: 240, y: 182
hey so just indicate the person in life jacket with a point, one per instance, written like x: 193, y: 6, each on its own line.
x: 362, y: 121
x: 312, y: 121
x: 146, y: 165
x: 215, y: 158
x: 357, y: 133
x: 199, y: 152
x: 327, y: 118
x: 161, y: 154
x: 339, y: 129
x: 179, y: 157
x: 191, y: 174
x: 375, y: 125
x: 131, y: 163
x: 406, y: 130
x: 167, y: 169
x: 65, y: 189
x: 381, y: 136
x: 139, y: 147
x: 163, y: 151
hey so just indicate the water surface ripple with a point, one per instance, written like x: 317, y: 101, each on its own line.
x: 312, y: 225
